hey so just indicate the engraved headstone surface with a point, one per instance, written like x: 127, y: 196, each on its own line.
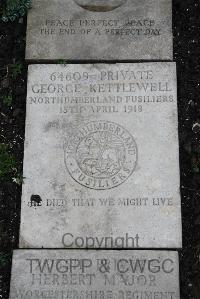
x: 72, y: 274
x: 100, y: 30
x: 101, y: 162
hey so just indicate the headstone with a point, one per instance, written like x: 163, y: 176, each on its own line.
x: 101, y: 160
x: 72, y: 274
x: 100, y: 30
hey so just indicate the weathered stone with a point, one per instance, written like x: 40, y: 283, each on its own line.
x: 101, y: 160
x: 100, y: 30
x: 72, y: 274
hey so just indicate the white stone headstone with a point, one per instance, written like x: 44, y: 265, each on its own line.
x: 74, y: 274
x: 100, y: 30
x: 101, y: 162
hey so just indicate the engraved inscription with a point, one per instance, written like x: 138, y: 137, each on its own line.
x: 103, y: 92
x: 97, y: 27
x: 101, y: 155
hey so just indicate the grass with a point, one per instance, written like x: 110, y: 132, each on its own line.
x: 16, y: 70
x: 7, y: 100
x: 4, y: 258
x: 11, y: 10
x: 62, y: 61
x: 7, y: 162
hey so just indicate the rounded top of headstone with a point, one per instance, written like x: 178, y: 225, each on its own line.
x: 100, y: 5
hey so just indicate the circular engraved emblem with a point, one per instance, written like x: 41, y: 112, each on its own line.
x: 100, y: 155
x: 100, y: 5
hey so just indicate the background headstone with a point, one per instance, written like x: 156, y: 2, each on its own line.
x: 101, y: 156
x: 63, y: 274
x: 100, y: 30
